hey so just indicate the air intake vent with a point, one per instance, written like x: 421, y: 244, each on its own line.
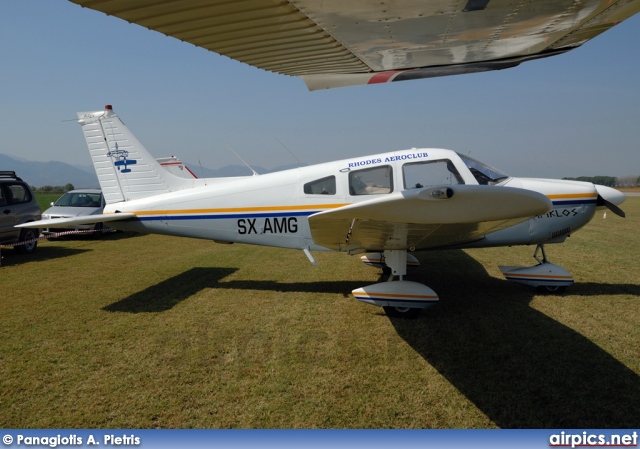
x: 560, y: 232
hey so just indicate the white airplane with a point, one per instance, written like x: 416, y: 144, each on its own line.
x: 333, y: 43
x: 382, y: 207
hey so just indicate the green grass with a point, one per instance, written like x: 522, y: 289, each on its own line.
x: 161, y: 332
x: 45, y: 199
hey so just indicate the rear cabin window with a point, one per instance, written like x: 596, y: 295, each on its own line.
x: 371, y: 181
x: 432, y: 173
x: 323, y: 186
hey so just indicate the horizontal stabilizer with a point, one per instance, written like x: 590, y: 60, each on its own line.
x: 66, y: 222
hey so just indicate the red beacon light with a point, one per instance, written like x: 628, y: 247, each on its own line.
x: 108, y: 107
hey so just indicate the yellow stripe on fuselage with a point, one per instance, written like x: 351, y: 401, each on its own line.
x: 562, y: 196
x: 227, y: 210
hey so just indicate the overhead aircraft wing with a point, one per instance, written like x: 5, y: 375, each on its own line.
x: 71, y: 221
x: 334, y: 43
x: 425, y: 218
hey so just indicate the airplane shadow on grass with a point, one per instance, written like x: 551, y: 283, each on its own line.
x: 166, y: 294
x: 521, y: 368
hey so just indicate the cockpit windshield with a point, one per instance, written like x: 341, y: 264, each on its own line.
x: 484, y: 174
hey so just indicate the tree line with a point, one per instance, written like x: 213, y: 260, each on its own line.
x: 53, y: 189
x: 610, y: 181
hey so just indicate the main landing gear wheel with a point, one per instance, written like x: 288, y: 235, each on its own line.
x: 551, y: 289
x: 399, y: 299
x: 402, y: 312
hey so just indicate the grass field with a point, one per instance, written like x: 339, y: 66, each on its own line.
x: 45, y: 199
x: 160, y: 332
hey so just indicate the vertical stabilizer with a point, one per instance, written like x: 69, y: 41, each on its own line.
x: 126, y: 170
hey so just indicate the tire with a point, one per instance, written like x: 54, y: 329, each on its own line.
x: 27, y: 235
x: 409, y: 313
x: 551, y: 289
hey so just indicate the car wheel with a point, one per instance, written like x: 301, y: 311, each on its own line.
x: 27, y: 242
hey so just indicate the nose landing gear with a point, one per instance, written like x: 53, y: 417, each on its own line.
x: 544, y: 277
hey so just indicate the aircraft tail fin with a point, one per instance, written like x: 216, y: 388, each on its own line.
x: 126, y: 170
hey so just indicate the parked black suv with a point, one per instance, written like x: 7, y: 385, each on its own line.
x: 17, y: 206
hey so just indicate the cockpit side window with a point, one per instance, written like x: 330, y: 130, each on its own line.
x: 432, y: 173
x: 323, y: 186
x: 371, y: 181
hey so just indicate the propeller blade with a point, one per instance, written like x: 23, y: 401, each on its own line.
x: 609, y: 205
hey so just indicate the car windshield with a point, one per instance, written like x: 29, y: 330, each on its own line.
x: 484, y: 174
x: 79, y: 199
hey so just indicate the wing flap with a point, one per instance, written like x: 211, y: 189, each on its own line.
x: 65, y: 222
x: 425, y: 218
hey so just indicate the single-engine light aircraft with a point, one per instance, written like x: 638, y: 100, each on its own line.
x: 334, y: 43
x: 381, y: 207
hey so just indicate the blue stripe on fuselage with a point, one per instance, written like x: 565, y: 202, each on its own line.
x: 227, y: 216
x: 568, y: 202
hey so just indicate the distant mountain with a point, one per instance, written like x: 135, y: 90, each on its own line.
x: 52, y: 173
x: 55, y: 173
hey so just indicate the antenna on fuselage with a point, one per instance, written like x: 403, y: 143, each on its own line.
x: 243, y: 161
x: 290, y: 152
x: 202, y: 171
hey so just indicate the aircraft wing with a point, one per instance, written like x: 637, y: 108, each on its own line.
x: 334, y: 43
x: 87, y: 219
x: 425, y: 218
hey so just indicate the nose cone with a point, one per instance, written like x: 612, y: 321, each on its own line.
x: 611, y: 195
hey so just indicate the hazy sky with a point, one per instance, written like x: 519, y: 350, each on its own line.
x: 570, y: 115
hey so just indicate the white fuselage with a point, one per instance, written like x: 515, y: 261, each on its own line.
x: 273, y: 209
